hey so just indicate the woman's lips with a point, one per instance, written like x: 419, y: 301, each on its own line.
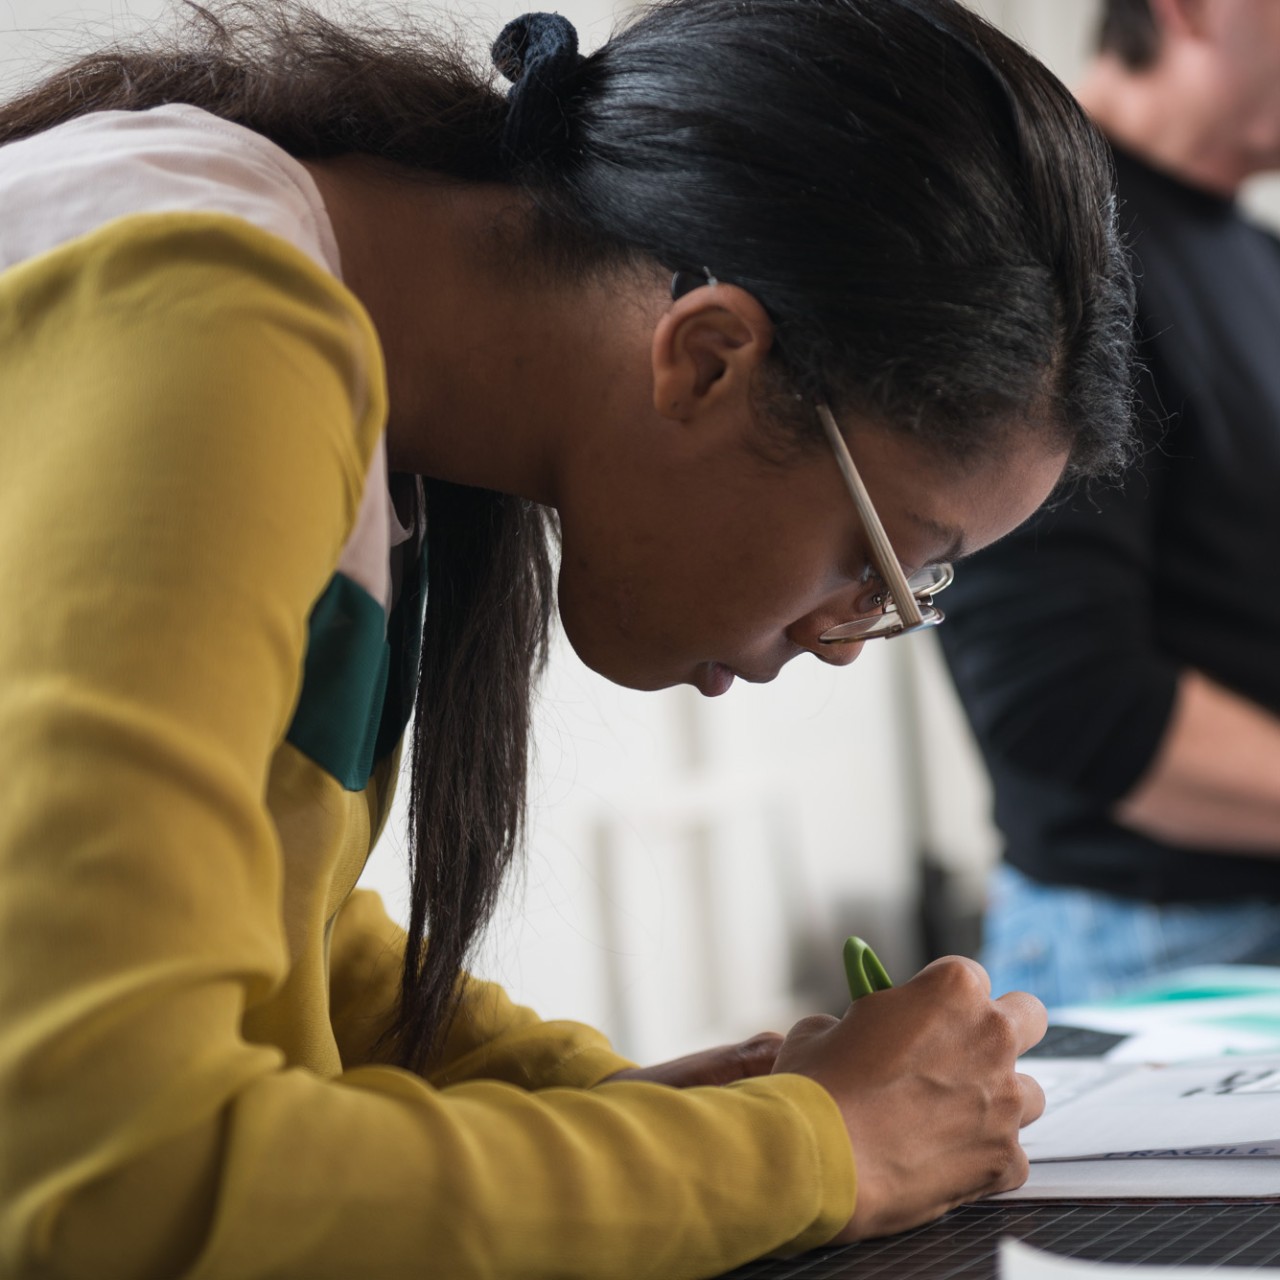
x: 713, y: 678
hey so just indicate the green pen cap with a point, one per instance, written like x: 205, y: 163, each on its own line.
x: 863, y: 969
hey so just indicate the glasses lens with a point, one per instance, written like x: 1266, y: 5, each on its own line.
x: 925, y: 584
x: 931, y: 579
x: 878, y: 625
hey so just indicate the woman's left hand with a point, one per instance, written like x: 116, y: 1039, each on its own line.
x: 721, y: 1065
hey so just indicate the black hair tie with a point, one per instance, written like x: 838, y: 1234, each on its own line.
x: 537, y: 53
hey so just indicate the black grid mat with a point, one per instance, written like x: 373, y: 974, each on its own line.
x: 962, y: 1246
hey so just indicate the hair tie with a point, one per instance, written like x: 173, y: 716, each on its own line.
x: 537, y: 53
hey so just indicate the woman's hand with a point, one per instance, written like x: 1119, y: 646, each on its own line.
x: 924, y: 1077
x: 721, y: 1065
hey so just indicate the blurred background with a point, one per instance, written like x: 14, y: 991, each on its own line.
x: 695, y: 865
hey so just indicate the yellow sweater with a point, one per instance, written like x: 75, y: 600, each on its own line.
x: 189, y: 987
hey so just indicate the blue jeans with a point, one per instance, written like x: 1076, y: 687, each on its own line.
x: 1073, y: 946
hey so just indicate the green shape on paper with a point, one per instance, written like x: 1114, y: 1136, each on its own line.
x: 1174, y: 995
x: 1266, y: 1023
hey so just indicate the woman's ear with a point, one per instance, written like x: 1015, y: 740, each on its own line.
x: 706, y: 349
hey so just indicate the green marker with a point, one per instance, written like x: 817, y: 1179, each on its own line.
x: 863, y: 969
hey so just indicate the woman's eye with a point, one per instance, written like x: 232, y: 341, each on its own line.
x: 872, y: 595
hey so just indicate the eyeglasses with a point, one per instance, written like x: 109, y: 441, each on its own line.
x: 907, y: 603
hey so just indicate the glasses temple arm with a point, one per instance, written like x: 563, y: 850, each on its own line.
x: 885, y: 557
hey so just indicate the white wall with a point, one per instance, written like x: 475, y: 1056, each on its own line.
x: 41, y: 33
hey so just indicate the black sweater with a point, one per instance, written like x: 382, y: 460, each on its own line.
x: 1066, y: 639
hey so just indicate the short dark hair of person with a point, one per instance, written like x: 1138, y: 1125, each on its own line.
x: 921, y: 207
x: 1128, y: 29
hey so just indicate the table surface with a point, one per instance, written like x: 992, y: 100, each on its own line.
x: 962, y: 1245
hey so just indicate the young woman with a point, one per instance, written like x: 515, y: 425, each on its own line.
x: 307, y: 333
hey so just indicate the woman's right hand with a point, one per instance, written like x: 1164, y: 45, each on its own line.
x: 925, y: 1078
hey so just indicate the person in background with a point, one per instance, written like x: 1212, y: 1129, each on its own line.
x: 309, y: 337
x: 1119, y: 655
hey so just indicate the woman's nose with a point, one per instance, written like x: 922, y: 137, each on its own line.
x: 839, y: 653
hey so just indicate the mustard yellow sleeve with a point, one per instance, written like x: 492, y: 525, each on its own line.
x: 492, y: 1038
x: 366, y: 955
x: 187, y: 410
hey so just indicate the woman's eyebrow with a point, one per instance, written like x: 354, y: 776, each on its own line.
x: 952, y: 539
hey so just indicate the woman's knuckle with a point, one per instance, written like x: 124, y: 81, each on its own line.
x: 1006, y: 1165
x: 1017, y: 1169
x: 957, y: 977
x: 813, y: 1024
x: 999, y: 1032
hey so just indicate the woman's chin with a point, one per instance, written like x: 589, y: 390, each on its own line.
x: 614, y: 663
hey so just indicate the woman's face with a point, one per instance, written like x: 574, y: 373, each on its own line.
x: 691, y: 558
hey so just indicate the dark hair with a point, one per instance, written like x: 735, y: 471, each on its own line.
x: 1128, y: 29
x: 922, y: 208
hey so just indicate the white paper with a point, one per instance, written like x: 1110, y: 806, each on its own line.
x: 1222, y: 1108
x: 1150, y: 1180
x: 1190, y: 1014
x: 1018, y: 1261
